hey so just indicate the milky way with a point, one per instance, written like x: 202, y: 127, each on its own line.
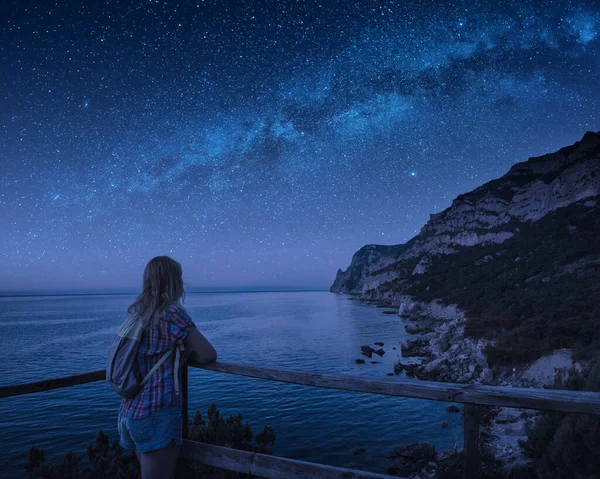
x: 263, y: 143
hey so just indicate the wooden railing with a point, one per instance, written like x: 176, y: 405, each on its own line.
x: 473, y: 397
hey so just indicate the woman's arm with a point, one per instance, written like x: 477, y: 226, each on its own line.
x: 197, y: 347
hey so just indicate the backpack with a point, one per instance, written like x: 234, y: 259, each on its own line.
x: 122, y: 370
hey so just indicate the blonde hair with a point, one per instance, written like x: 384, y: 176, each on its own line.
x: 162, y: 287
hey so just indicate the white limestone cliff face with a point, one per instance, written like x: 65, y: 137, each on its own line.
x: 422, y: 265
x: 357, y: 277
x: 373, y: 282
x: 488, y: 214
x: 576, y: 177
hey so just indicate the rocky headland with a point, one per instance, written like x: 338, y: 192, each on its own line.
x: 500, y: 288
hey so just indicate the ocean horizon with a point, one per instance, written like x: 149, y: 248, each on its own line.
x: 133, y: 291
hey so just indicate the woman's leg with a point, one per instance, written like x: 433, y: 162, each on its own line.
x: 161, y: 463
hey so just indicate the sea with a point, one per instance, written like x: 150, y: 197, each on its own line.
x: 52, y: 336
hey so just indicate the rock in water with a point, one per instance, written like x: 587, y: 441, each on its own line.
x: 367, y: 351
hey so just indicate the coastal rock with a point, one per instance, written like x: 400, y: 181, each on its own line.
x: 410, y: 370
x: 506, y: 430
x: 544, y: 371
x: 452, y: 408
x: 380, y: 351
x: 449, y: 356
x: 486, y: 376
x: 360, y: 361
x: 434, y: 369
x: 412, y: 459
x: 379, y: 343
x: 367, y: 351
x: 418, y: 451
x: 384, y: 304
x: 412, y: 329
x: 508, y: 415
x: 414, y: 348
x: 405, y: 308
x: 398, y: 368
x: 449, y: 461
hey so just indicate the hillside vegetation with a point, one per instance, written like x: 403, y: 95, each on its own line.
x: 536, y: 292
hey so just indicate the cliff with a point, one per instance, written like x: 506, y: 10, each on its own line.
x: 520, y: 255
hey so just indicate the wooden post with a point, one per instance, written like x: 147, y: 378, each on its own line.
x: 184, y: 402
x: 471, y: 452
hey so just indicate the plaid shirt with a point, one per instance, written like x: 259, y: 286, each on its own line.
x: 159, y: 391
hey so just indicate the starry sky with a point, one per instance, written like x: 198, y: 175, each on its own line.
x: 261, y: 143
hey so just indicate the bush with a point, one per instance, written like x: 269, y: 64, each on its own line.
x: 109, y: 462
x: 567, y: 445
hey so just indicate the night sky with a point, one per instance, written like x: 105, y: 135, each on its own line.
x: 263, y: 143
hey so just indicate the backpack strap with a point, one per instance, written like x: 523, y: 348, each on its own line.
x: 178, y: 348
x: 156, y: 366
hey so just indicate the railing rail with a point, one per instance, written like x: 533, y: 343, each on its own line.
x: 528, y: 398
x: 49, y: 384
x: 473, y: 396
x: 264, y: 465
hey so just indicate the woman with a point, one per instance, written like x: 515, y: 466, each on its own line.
x: 151, y: 422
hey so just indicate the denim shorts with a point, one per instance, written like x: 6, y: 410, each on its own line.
x: 151, y: 432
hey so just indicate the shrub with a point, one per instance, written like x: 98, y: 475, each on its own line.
x: 567, y: 445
